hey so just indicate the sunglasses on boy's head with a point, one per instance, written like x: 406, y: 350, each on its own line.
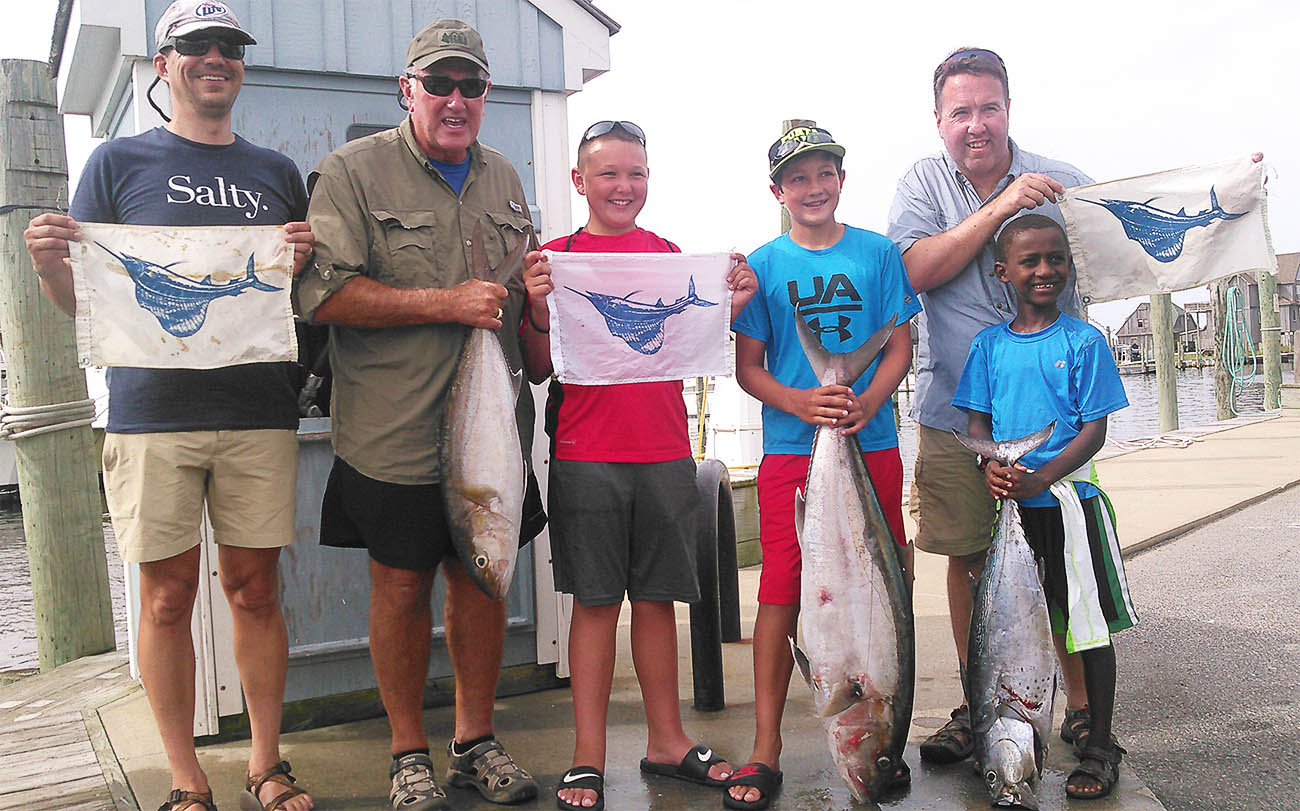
x: 199, y: 46
x: 442, y: 86
x: 795, y: 138
x: 971, y: 58
x: 606, y: 127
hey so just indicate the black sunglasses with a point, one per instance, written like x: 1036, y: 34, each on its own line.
x: 795, y: 138
x: 437, y: 85
x: 962, y: 61
x: 200, y: 47
x: 606, y: 127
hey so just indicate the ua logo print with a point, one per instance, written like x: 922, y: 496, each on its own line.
x: 835, y: 296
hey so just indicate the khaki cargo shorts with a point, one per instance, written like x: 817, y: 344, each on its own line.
x: 156, y: 485
x: 953, y: 510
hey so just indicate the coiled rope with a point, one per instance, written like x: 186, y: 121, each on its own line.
x: 17, y: 422
x: 1238, y: 349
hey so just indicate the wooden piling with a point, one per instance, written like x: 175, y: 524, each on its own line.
x: 1162, y: 331
x: 57, y: 471
x: 1270, y: 326
x: 1222, y: 377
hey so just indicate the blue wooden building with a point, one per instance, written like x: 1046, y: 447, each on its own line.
x: 322, y: 72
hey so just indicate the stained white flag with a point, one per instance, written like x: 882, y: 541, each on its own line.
x: 639, y: 317
x: 1168, y: 231
x: 182, y: 298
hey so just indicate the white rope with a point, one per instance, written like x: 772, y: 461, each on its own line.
x: 1160, y: 441
x: 17, y: 422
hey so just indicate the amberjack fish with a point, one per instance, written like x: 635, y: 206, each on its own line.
x: 640, y: 325
x: 179, y: 303
x: 1010, y: 661
x: 1160, y: 232
x: 858, y: 652
x: 483, y: 465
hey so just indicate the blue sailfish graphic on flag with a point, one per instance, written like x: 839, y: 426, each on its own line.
x: 180, y: 304
x: 640, y: 325
x: 1160, y: 232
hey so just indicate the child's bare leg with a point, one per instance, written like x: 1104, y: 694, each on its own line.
x: 654, y: 654
x: 591, y: 673
x: 773, y: 627
x: 1076, y: 694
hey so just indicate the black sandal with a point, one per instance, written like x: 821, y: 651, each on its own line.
x: 1076, y: 726
x: 1101, y: 763
x: 582, y: 777
x: 953, y: 742
x: 187, y: 801
x: 753, y: 775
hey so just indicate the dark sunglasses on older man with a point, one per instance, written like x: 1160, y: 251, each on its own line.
x: 796, y: 137
x: 186, y: 46
x: 606, y: 127
x: 442, y: 86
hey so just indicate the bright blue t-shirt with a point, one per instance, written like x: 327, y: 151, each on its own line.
x: 847, y: 292
x: 1025, y: 380
x: 454, y: 173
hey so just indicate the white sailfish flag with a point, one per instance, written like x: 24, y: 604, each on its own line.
x: 1168, y: 231
x: 182, y: 298
x: 639, y: 317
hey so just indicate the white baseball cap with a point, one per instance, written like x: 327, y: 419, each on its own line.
x: 185, y: 17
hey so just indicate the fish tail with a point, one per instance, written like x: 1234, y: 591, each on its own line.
x: 1009, y: 451
x: 841, y: 368
x: 1214, y: 202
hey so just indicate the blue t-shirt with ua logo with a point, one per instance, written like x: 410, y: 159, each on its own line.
x: 159, y: 178
x: 846, y: 293
x: 1025, y: 380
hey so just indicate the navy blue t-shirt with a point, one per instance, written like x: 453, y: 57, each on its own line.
x: 160, y: 178
x: 454, y: 173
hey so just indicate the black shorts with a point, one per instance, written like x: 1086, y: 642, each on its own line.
x: 403, y: 526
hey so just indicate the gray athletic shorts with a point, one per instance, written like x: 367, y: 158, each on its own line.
x: 621, y: 527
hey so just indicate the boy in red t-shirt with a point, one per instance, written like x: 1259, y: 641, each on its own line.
x: 621, y: 471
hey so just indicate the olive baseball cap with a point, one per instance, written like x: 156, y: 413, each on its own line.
x: 445, y: 39
x: 186, y: 17
x: 796, y: 142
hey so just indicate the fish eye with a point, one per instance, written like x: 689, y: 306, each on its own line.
x: 481, y: 561
x: 991, y: 777
x: 883, y: 763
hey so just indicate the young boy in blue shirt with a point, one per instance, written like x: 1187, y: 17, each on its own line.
x: 1019, y: 377
x: 847, y: 283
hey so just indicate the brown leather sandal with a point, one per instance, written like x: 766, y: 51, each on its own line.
x: 279, y: 774
x: 187, y: 801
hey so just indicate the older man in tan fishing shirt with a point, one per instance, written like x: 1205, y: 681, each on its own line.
x: 395, y: 216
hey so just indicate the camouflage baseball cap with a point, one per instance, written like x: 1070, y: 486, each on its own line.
x: 186, y: 17
x: 445, y: 39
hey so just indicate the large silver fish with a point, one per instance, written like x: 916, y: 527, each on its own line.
x: 858, y: 652
x: 483, y: 465
x: 1011, y: 661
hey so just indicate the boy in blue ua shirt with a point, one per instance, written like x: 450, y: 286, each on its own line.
x: 1019, y: 377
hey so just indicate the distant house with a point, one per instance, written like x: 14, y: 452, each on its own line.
x: 1135, y: 339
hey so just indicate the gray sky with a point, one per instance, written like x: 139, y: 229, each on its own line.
x: 1116, y: 88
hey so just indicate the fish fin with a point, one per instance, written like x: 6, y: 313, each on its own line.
x: 516, y: 382
x: 801, y: 659
x: 478, y: 261
x: 1214, y: 201
x: 1009, y: 451
x: 207, y: 280
x: 840, y: 368
x: 690, y: 288
x: 800, y: 502
x: 514, y: 262
x: 1182, y: 211
x: 659, y: 302
x: 840, y: 697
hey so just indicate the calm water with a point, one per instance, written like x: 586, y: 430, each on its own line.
x: 17, y: 627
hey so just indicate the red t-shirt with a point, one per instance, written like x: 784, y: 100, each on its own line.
x: 627, y: 422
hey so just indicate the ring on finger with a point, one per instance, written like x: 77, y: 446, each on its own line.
x: 500, y: 313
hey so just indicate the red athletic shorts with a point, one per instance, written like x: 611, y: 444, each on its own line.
x: 779, y: 476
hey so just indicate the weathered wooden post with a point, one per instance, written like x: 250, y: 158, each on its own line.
x: 1162, y: 333
x: 58, y: 470
x: 1270, y: 327
x: 1222, y: 376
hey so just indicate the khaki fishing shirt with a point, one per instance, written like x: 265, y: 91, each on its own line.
x: 379, y: 209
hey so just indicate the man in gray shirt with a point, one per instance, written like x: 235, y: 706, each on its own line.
x: 945, y: 215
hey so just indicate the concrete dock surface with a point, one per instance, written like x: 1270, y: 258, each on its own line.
x: 1158, y: 493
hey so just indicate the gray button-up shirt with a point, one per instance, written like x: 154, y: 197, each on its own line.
x: 933, y: 196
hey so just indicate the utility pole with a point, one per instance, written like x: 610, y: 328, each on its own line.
x: 57, y: 471
x: 1270, y: 328
x: 786, y: 126
x: 1162, y: 334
